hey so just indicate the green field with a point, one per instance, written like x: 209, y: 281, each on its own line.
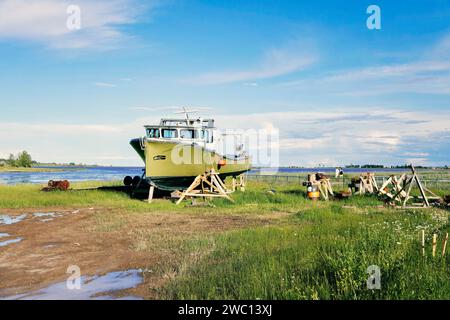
x: 312, y: 251
x: 323, y: 253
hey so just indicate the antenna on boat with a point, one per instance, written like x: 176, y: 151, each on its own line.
x: 186, y: 112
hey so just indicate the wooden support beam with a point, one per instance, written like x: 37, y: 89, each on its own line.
x: 207, y: 185
x: 422, y: 191
x: 242, y: 182
x: 150, y: 193
x: 407, y: 197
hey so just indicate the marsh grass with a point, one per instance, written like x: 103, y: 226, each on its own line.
x: 257, y: 199
x: 30, y: 196
x: 323, y: 253
x: 318, y: 250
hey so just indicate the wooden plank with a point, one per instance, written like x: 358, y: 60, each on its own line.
x: 422, y: 192
x: 194, y: 184
x: 385, y: 184
x: 444, y: 244
x: 407, y: 194
x: 150, y: 194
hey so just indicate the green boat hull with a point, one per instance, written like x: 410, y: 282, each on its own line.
x: 176, y: 177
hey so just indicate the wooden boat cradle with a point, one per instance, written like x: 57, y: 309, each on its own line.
x: 399, y: 189
x: 207, y: 185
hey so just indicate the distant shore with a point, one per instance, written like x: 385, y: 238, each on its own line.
x: 32, y: 169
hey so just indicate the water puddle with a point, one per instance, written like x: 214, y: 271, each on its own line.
x: 41, y: 216
x: 49, y: 216
x: 96, y: 288
x: 4, y: 235
x: 44, y: 214
x: 5, y: 219
x: 7, y: 242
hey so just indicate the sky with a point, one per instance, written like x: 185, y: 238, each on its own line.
x: 337, y: 91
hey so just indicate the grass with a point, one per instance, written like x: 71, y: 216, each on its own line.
x: 27, y: 195
x: 256, y: 200
x: 322, y: 252
x: 313, y: 251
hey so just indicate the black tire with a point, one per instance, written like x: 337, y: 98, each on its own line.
x: 136, y: 180
x: 128, y: 181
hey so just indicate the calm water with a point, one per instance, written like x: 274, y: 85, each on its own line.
x: 96, y: 288
x: 74, y: 174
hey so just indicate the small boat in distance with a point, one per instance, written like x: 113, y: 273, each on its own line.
x: 178, y: 150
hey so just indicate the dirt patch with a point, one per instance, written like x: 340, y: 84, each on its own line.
x: 103, y: 240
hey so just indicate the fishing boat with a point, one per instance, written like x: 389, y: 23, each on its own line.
x: 176, y: 151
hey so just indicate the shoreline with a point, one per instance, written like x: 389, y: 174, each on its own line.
x: 32, y: 169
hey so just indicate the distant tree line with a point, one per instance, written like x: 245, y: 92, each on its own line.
x: 380, y: 166
x: 22, y: 160
x: 365, y: 166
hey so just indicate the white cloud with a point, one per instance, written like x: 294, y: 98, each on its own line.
x: 45, y: 21
x: 428, y: 74
x: 399, y: 70
x: 416, y: 154
x: 348, y: 136
x: 105, y: 84
x: 384, y: 135
x: 277, y: 62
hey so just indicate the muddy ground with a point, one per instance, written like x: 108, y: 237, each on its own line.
x: 103, y: 240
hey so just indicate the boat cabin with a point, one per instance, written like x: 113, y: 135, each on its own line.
x: 183, y: 129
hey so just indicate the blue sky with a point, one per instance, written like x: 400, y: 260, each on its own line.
x: 338, y: 92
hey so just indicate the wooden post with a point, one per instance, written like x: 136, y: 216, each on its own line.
x: 422, y: 192
x: 375, y: 184
x: 434, y: 244
x: 150, y: 194
x: 385, y: 184
x: 444, y: 244
x: 423, y: 242
x: 242, y: 182
x: 407, y: 193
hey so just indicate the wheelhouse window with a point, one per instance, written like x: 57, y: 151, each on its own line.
x: 188, y: 134
x: 152, y: 133
x: 169, y: 133
x: 206, y: 135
